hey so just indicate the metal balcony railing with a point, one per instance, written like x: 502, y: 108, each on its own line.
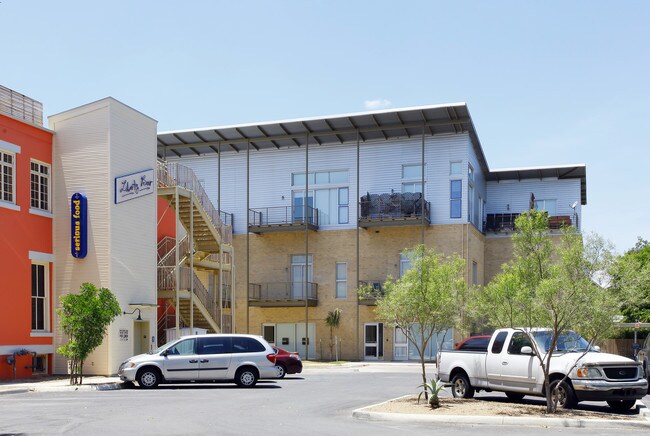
x: 406, y: 205
x: 284, y: 291
x: 505, y: 222
x: 282, y: 215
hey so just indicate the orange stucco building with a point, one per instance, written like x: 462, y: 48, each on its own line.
x: 26, y: 252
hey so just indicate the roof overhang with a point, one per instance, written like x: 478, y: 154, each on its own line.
x: 577, y: 171
x: 366, y: 127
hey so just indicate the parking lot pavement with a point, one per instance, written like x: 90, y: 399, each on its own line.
x: 58, y: 384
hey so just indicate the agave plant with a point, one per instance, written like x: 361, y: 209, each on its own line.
x: 434, y: 388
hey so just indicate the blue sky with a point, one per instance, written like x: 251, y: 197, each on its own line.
x: 553, y: 82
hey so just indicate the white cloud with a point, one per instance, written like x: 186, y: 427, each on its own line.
x: 379, y: 103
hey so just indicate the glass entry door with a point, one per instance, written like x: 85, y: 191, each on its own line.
x: 301, y: 273
x: 373, y: 341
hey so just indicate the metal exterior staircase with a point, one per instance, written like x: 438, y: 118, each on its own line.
x: 180, y: 187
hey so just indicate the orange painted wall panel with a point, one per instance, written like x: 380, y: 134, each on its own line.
x: 166, y: 219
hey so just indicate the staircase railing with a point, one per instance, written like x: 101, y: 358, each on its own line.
x: 175, y: 174
x: 168, y: 258
x: 187, y: 278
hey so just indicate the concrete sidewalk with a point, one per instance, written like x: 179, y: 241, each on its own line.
x: 58, y: 384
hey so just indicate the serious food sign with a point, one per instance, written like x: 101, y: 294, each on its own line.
x: 79, y: 225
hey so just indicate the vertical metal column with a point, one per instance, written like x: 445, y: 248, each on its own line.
x: 306, y: 218
x: 248, y: 235
x: 423, y: 198
x: 177, y: 260
x: 221, y: 243
x: 191, y: 262
x: 358, y: 249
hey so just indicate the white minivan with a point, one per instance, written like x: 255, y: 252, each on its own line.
x: 203, y: 358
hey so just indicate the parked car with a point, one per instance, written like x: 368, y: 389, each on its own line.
x: 289, y: 362
x: 474, y: 343
x: 510, y: 366
x: 242, y: 359
x: 643, y: 356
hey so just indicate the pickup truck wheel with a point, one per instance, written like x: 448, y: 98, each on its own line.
x: 514, y: 396
x: 566, y: 398
x: 460, y: 387
x: 621, y: 405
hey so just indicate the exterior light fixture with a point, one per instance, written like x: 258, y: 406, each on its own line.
x: 139, y: 318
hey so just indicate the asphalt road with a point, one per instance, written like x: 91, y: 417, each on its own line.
x: 316, y: 402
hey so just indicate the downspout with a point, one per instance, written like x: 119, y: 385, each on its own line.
x: 356, y: 297
x: 306, y: 218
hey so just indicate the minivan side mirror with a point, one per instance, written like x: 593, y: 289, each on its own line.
x: 164, y: 352
x: 596, y: 348
x: 526, y: 350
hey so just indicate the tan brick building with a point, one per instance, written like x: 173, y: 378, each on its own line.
x: 318, y: 206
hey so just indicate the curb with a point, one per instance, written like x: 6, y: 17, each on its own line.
x: 14, y: 391
x: 364, y: 414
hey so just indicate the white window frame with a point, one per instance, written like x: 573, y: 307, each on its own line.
x: 48, y: 185
x: 342, y: 209
x: 341, y: 280
x: 12, y: 186
x: 414, y: 184
x: 543, y: 201
x: 456, y: 171
x: 404, y: 264
x: 452, y: 199
x: 275, y: 332
x: 45, y: 298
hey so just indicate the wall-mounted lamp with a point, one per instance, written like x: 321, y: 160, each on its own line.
x: 139, y: 318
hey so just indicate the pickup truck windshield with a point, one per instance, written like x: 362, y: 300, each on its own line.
x: 566, y: 343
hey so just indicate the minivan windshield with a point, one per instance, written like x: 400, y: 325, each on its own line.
x: 567, y: 342
x: 164, y: 347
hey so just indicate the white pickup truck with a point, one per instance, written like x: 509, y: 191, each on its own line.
x: 509, y: 365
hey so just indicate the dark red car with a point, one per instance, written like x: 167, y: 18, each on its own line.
x: 289, y: 362
x: 474, y: 343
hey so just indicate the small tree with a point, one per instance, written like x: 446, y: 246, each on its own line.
x: 426, y: 300
x: 631, y: 282
x: 550, y: 286
x: 84, y: 318
x: 333, y: 319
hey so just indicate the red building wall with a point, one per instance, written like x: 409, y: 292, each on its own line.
x: 22, y: 232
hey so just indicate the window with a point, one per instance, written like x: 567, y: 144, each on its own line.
x: 183, y: 348
x: 456, y: 202
x: 332, y: 202
x: 243, y: 344
x: 7, y: 170
x: 341, y: 280
x: 40, y: 186
x: 549, y: 206
x: 455, y: 168
x: 497, y: 346
x: 39, y: 364
x: 474, y: 273
x: 40, y: 293
x: 518, y: 341
x: 470, y: 173
x: 411, y: 178
x: 404, y: 264
x: 215, y: 345
x: 470, y: 203
x: 268, y: 332
x: 301, y: 272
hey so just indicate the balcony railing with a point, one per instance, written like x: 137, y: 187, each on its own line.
x: 395, y: 209
x: 282, y: 218
x: 505, y: 222
x: 376, y: 291
x: 282, y: 294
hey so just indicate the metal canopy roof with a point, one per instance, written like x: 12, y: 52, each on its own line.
x: 390, y: 124
x: 329, y: 130
x: 577, y: 171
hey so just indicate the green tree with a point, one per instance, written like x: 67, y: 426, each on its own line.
x: 426, y: 300
x: 631, y: 281
x: 84, y: 319
x: 332, y: 320
x: 551, y: 285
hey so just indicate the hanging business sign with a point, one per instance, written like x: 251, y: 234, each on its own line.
x: 79, y: 225
x: 134, y: 185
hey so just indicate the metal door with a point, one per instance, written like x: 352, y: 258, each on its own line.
x: 373, y: 341
x: 182, y: 361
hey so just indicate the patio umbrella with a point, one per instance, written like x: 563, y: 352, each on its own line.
x: 532, y: 201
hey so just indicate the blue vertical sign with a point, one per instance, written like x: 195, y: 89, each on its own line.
x: 79, y: 225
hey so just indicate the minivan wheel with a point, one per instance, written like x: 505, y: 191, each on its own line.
x: 283, y: 370
x: 246, y: 377
x: 149, y: 378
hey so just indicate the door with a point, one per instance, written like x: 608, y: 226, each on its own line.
x: 400, y: 345
x: 303, y: 340
x: 215, y: 354
x: 495, y: 360
x: 518, y: 370
x: 141, y: 342
x: 182, y: 361
x: 299, y: 206
x: 373, y: 341
x: 301, y: 274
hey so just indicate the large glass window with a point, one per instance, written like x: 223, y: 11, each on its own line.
x: 456, y: 202
x: 549, y: 206
x: 341, y: 280
x: 7, y: 170
x: 40, y: 292
x: 411, y: 178
x: 301, y: 272
x: 455, y: 168
x: 40, y: 186
x: 332, y: 202
x: 404, y: 264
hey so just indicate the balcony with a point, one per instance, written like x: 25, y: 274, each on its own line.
x: 505, y: 222
x: 285, y: 294
x: 396, y: 209
x: 376, y: 291
x: 282, y: 219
